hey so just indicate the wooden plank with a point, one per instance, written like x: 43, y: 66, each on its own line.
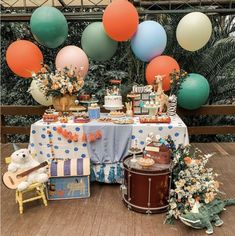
x: 204, y: 110
x: 15, y: 130
x: 104, y: 213
x: 3, y: 135
x: 208, y: 110
x: 22, y: 110
x: 211, y: 130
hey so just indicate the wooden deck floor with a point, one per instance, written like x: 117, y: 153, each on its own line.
x: 104, y: 213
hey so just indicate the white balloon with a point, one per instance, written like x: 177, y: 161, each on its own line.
x: 38, y: 96
x: 194, y: 31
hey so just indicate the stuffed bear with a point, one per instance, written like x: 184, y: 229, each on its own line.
x: 22, y: 160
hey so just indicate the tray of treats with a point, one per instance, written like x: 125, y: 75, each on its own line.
x: 135, y: 150
x: 50, y: 115
x: 105, y: 119
x: 155, y: 119
x: 146, y: 162
x: 81, y: 117
x: 124, y: 121
x: 117, y: 114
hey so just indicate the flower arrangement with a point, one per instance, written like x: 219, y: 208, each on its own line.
x: 60, y: 82
x: 176, y: 79
x: 192, y: 181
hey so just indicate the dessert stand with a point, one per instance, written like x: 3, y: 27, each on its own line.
x: 113, y: 108
x: 134, y: 150
x: 152, y: 108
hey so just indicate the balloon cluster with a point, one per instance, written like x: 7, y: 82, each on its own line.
x: 100, y: 41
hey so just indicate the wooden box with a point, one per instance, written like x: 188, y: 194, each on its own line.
x: 158, y: 152
x: 69, y: 179
x: 68, y: 187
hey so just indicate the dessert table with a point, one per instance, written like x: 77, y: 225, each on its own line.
x: 106, y: 152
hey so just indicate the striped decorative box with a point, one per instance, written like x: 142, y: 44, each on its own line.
x: 69, y: 179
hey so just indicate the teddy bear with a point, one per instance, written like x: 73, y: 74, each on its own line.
x: 22, y: 160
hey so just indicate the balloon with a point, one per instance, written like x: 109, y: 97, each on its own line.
x: 149, y: 40
x: 23, y: 58
x: 96, y: 43
x: 162, y: 65
x: 49, y: 26
x: 120, y: 20
x: 72, y: 57
x: 193, y: 31
x: 38, y: 96
x: 194, y: 92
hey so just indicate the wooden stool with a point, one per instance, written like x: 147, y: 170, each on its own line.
x: 38, y: 188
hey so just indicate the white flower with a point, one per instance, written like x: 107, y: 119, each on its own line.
x: 173, y: 205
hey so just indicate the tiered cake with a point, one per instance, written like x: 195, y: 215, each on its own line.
x: 113, y: 99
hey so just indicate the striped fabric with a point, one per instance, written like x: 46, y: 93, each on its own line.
x: 70, y: 167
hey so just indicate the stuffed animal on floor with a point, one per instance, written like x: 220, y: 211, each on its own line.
x: 22, y: 160
x: 205, y: 215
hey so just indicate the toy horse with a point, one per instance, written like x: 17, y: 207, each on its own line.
x: 161, y: 98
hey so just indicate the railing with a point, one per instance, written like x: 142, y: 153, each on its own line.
x: 8, y: 110
x: 75, y: 10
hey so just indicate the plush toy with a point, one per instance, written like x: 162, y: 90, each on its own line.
x: 203, y: 216
x: 22, y: 160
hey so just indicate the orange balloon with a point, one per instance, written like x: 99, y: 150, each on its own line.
x: 162, y: 65
x: 120, y: 20
x: 23, y: 58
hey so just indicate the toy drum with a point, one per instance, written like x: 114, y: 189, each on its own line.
x: 146, y: 190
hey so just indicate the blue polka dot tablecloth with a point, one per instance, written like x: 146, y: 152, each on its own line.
x: 42, y: 143
x: 177, y: 129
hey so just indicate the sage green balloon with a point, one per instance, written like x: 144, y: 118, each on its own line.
x: 49, y: 26
x: 96, y: 43
x: 194, y: 92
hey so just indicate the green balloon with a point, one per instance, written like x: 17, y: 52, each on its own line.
x: 49, y: 26
x: 194, y: 92
x: 96, y: 43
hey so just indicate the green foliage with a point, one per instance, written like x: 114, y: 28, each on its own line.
x: 216, y: 62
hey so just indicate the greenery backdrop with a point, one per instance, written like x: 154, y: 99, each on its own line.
x: 216, y: 61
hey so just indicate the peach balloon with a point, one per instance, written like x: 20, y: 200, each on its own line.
x: 162, y: 65
x: 72, y: 57
x: 24, y: 58
x: 120, y: 20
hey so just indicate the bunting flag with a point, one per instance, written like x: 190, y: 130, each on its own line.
x: 90, y: 137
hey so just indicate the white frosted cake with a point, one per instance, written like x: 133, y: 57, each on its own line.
x: 113, y: 101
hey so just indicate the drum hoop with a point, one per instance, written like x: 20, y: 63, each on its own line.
x: 149, y: 174
x: 145, y: 208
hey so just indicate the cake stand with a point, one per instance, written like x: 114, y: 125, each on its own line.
x: 113, y: 108
x: 87, y: 103
x: 77, y: 108
x: 134, y: 159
